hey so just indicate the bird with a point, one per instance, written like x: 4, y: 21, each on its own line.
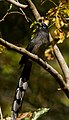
x: 37, y: 46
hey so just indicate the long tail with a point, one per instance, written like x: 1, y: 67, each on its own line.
x: 22, y: 86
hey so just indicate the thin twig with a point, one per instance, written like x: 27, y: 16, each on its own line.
x: 4, y: 17
x: 42, y: 63
x: 50, y: 1
x: 8, y: 13
x: 24, y: 14
x: 53, y: 2
x: 43, y: 1
x: 17, y: 4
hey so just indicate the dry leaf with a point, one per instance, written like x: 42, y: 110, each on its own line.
x: 24, y: 115
x: 57, y: 22
x: 59, y: 35
x: 49, y: 54
x: 67, y: 34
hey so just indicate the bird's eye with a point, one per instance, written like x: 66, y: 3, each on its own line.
x: 44, y: 26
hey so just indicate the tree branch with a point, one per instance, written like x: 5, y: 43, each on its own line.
x: 34, y: 10
x: 38, y: 60
x: 62, y: 64
x: 17, y: 4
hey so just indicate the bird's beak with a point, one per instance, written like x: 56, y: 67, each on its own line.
x: 46, y: 21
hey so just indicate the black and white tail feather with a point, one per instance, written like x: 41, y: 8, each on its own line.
x: 21, y: 88
x: 37, y: 46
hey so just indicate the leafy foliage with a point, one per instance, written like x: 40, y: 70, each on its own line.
x: 58, y: 16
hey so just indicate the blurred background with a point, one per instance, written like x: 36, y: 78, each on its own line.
x: 43, y: 88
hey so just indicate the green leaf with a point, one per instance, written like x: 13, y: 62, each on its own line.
x: 35, y: 23
x: 10, y: 7
x: 27, y: 118
x: 39, y: 112
x: 32, y: 24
